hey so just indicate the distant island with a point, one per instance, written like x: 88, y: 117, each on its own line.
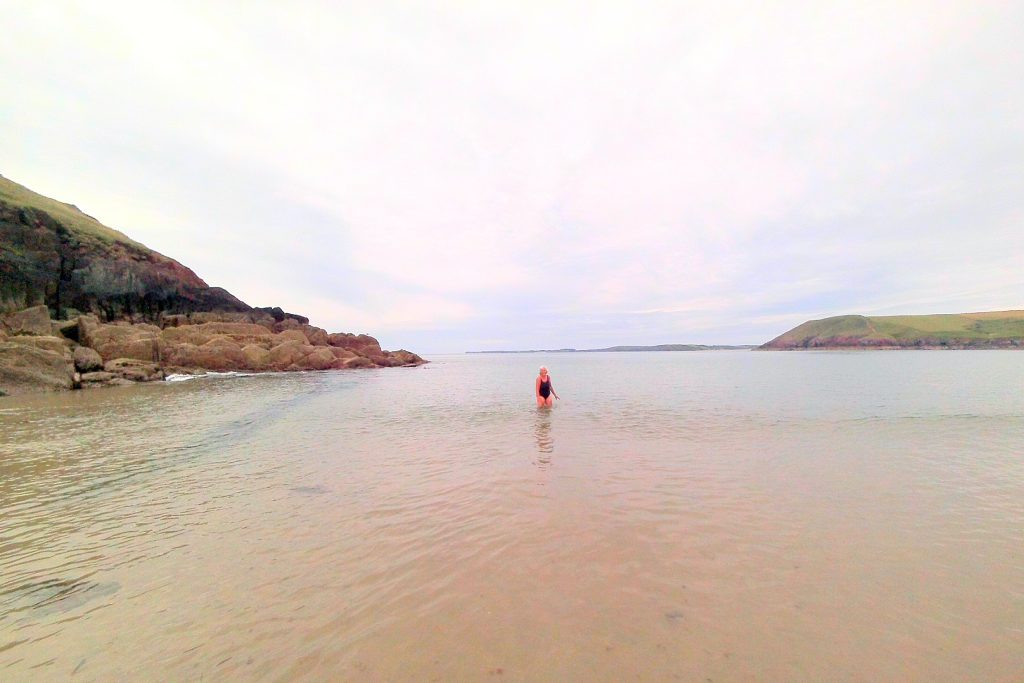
x: 984, y: 330
x: 658, y: 347
x: 83, y: 305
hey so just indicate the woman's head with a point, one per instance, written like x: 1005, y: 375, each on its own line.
x: 543, y: 371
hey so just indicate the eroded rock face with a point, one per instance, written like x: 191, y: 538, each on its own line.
x: 56, y: 263
x: 25, y: 368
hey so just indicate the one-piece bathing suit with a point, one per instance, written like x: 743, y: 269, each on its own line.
x: 545, y: 388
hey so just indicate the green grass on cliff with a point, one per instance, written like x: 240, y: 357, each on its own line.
x: 908, y: 329
x: 20, y: 196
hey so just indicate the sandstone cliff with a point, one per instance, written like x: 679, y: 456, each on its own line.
x: 83, y: 305
x: 53, y: 254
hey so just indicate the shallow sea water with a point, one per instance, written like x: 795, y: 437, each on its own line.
x: 723, y: 516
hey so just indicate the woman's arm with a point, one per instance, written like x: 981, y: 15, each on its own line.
x: 553, y: 392
x: 536, y: 388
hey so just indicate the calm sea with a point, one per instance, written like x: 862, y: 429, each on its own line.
x: 723, y: 516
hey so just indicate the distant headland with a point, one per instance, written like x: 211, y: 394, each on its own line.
x: 658, y: 347
x: 83, y: 305
x: 983, y: 330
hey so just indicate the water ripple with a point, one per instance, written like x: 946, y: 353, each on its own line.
x: 770, y: 516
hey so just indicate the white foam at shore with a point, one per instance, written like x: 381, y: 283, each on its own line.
x: 185, y: 378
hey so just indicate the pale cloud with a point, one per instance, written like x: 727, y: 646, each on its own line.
x: 556, y: 174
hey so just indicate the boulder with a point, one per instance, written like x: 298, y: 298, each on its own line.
x: 25, y: 368
x: 180, y: 357
x: 405, y: 358
x: 95, y: 379
x: 222, y: 353
x: 35, y: 320
x: 317, y: 336
x: 343, y: 354
x: 125, y: 341
x: 256, y: 357
x: 219, y: 354
x: 86, y: 324
x: 287, y: 324
x: 133, y: 369
x: 55, y: 344
x: 87, y: 360
x: 363, y: 344
x: 359, y: 362
x: 292, y: 335
x: 320, y: 358
x: 288, y: 354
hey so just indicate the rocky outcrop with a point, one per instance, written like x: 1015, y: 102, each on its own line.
x: 92, y: 354
x: 125, y: 314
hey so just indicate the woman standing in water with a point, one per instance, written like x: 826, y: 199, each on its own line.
x: 544, y: 389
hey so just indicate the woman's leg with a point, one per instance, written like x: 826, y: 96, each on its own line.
x: 549, y: 401
x: 540, y: 401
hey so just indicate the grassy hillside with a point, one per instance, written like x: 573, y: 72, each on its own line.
x: 992, y: 329
x: 67, y: 214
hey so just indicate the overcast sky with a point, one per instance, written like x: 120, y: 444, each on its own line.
x: 454, y: 176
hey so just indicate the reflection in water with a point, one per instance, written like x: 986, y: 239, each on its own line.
x: 545, y: 442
